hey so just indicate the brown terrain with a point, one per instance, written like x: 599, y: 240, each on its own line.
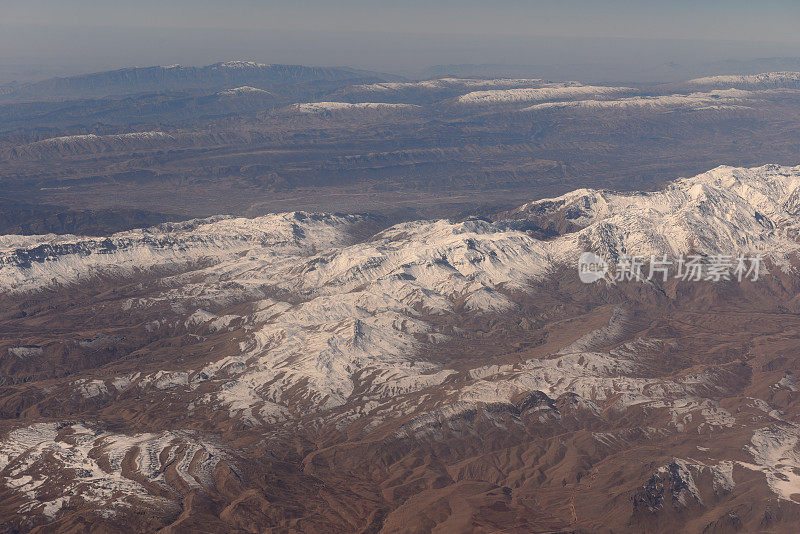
x: 540, y: 465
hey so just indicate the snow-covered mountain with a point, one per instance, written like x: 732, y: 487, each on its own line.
x: 724, y: 210
x: 346, y: 303
x: 427, y: 332
x: 31, y: 262
x: 711, y: 100
x: 444, y: 83
x: 547, y: 91
x: 766, y: 80
x: 332, y: 107
x: 77, y: 144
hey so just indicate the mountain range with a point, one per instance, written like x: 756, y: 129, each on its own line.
x: 331, y: 372
x: 216, y: 77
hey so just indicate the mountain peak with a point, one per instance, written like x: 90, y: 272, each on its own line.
x: 239, y: 64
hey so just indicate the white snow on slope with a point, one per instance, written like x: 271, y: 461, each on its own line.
x: 69, y: 259
x: 331, y: 320
x: 73, y: 142
x: 763, y: 80
x: 239, y: 65
x: 717, y: 99
x: 721, y: 211
x: 371, y: 299
x: 111, y: 137
x: 598, y: 381
x: 88, y: 466
x: 446, y: 83
x: 26, y: 352
x: 615, y: 379
x: 12, y: 242
x: 367, y: 289
x: 679, y: 470
x: 243, y: 90
x: 323, y: 107
x: 776, y: 452
x: 600, y: 337
x: 77, y: 144
x: 552, y: 91
x: 450, y: 259
x: 724, y: 210
x: 683, y: 473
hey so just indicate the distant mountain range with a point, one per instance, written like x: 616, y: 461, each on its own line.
x: 227, y: 75
x: 219, y: 76
x: 654, y: 72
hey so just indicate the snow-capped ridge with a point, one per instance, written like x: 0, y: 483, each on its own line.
x: 89, y: 462
x: 445, y: 83
x: 327, y: 107
x: 243, y: 91
x: 324, y: 304
x: 29, y: 263
x: 763, y: 80
x: 725, y: 210
x: 711, y: 100
x: 550, y: 91
x: 239, y: 64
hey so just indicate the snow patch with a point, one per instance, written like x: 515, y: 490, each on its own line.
x: 713, y: 100
x: 552, y: 91
x: 776, y: 453
x: 66, y: 459
x: 326, y: 107
x: 26, y: 352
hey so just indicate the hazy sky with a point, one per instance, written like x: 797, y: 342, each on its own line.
x: 399, y: 34
x: 763, y: 20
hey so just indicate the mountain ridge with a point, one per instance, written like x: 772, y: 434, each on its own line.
x: 215, y: 77
x: 726, y: 208
x: 432, y: 360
